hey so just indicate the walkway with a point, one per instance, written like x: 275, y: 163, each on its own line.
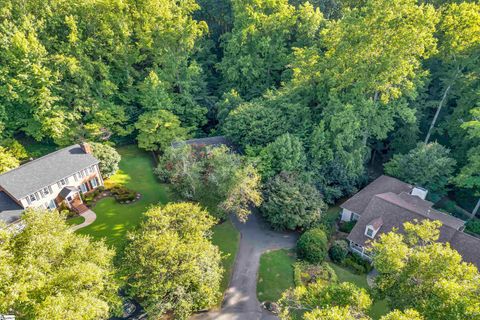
x: 240, y: 301
x: 89, y: 216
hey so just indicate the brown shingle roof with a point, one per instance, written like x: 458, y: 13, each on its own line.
x: 382, y: 184
x: 394, y: 211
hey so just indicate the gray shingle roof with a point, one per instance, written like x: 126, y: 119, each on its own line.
x: 45, y: 171
x: 382, y: 184
x: 10, y: 211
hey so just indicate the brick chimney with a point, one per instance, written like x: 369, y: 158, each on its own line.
x: 86, y: 147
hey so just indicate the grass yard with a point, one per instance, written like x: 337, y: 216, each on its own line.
x: 227, y: 238
x: 114, y: 219
x: 379, y: 308
x: 275, y: 274
x: 75, y: 220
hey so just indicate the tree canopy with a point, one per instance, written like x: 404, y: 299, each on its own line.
x: 48, y: 272
x: 170, y: 264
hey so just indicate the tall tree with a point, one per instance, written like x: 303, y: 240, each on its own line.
x: 458, y: 49
x: 170, y: 263
x: 48, y: 272
x: 428, y: 165
x: 416, y: 271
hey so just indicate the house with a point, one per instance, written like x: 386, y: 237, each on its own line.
x: 50, y: 181
x: 388, y: 203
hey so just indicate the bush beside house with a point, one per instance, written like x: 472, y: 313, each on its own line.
x: 312, y: 245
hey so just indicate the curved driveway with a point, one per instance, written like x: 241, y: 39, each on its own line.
x: 240, y: 300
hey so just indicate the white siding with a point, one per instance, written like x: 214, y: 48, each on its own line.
x: 346, y: 215
x: 47, y: 198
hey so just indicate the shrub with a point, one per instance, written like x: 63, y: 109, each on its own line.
x: 306, y: 273
x: 109, y: 158
x: 357, y: 264
x: 473, y: 226
x: 312, y: 245
x: 339, y: 251
x: 122, y: 194
x: 347, y: 226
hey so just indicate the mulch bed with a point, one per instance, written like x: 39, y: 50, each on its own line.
x: 108, y: 193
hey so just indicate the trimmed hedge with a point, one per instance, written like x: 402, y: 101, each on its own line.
x: 312, y: 245
x: 357, y: 264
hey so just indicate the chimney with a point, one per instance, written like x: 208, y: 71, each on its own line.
x: 86, y: 147
x: 419, y: 192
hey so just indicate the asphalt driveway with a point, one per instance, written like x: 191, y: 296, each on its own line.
x: 240, y: 300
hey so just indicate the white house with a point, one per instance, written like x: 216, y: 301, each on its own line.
x: 49, y: 181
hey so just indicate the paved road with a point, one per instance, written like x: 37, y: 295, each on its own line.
x: 240, y: 301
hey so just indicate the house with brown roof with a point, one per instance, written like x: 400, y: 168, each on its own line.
x: 388, y: 203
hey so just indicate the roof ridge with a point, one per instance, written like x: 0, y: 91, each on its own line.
x: 37, y: 159
x: 417, y: 212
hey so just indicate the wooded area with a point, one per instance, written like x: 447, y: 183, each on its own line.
x: 353, y: 83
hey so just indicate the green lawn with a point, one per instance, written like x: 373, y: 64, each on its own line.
x: 75, y: 220
x: 114, y: 219
x: 379, y: 308
x: 227, y: 238
x: 275, y: 274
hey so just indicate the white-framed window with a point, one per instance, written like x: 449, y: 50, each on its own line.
x: 91, y: 169
x: 32, y: 198
x: 51, y: 205
x: 75, y: 177
x: 94, y: 182
x: 62, y: 182
x: 46, y: 191
x: 369, y: 232
x: 83, y: 187
x: 81, y: 174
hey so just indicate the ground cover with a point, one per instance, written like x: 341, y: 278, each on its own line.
x: 275, y: 274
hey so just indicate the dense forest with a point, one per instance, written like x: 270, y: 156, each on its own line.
x: 337, y: 87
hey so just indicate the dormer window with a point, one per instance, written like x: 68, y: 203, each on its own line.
x: 373, y: 227
x: 370, y: 232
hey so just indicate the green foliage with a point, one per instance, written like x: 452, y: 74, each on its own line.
x: 7, y: 160
x: 216, y: 177
x: 49, y: 272
x: 347, y: 226
x: 122, y: 194
x: 312, y: 245
x: 338, y: 251
x: 319, y: 298
x: 291, y: 202
x: 428, y: 165
x: 286, y: 153
x: 108, y: 157
x: 259, y: 47
x: 357, y: 264
x: 170, y: 264
x: 445, y: 287
x: 158, y: 129
x: 473, y: 226
x: 16, y: 149
x: 306, y: 273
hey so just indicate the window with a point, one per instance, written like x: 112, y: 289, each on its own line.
x: 94, y: 182
x: 32, y: 197
x: 47, y: 191
x: 52, y: 205
x: 369, y: 232
x: 83, y: 187
x: 75, y: 177
x: 62, y: 182
x: 91, y: 169
x: 81, y: 174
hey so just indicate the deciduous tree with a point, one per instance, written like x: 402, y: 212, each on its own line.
x: 48, y: 272
x: 170, y: 264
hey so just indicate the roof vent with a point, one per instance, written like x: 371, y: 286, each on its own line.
x: 419, y: 192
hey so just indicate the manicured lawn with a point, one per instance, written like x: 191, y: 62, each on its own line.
x: 114, y: 219
x: 227, y: 238
x: 379, y: 308
x: 275, y: 274
x: 75, y: 220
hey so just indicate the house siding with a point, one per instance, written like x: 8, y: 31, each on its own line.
x: 46, y: 199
